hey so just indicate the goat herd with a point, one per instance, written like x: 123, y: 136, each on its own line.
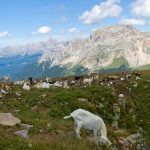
x: 82, y: 118
x: 75, y: 81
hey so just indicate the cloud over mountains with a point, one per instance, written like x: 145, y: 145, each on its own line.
x: 109, y: 8
x: 42, y: 30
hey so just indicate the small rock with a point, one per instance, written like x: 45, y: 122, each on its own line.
x: 17, y: 110
x: 49, y: 124
x: 116, y: 110
x: 100, y: 105
x: 23, y: 100
x: 18, y: 93
x: 34, y: 108
x: 140, y: 130
x: 131, y: 110
x: 82, y: 99
x: 38, y: 103
x: 114, y: 125
x: 103, y: 98
x: 1, y: 102
x: 129, y: 89
x: 41, y: 131
x: 135, y: 85
x: 129, y: 142
x: 22, y: 133
x: 43, y: 96
x: 134, y: 118
x: 66, y: 103
x: 120, y: 131
x: 26, y: 126
x: 121, y: 95
x: 30, y: 145
x: 3, y: 91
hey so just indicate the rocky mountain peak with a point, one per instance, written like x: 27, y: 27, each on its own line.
x: 109, y: 47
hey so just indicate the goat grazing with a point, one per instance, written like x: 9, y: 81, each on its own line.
x: 26, y: 87
x: 92, y: 122
x: 88, y: 81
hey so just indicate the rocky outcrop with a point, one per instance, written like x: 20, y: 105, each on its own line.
x: 134, y: 141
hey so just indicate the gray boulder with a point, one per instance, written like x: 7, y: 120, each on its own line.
x: 7, y: 119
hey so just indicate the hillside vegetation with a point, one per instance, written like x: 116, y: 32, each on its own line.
x: 45, y: 109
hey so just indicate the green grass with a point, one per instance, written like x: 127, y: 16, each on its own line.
x: 51, y: 132
x: 144, y: 67
x: 118, y: 62
x: 75, y: 70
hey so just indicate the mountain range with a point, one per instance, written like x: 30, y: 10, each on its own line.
x: 108, y: 49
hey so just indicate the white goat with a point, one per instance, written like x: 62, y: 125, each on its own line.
x: 58, y: 84
x: 38, y: 85
x: 92, y: 122
x: 21, y: 82
x: 122, y: 79
x: 48, y: 79
x: 26, y: 87
x: 66, y: 86
x: 3, y: 91
x: 137, y: 78
x: 88, y: 81
x: 45, y: 85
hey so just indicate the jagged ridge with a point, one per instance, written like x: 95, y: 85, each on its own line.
x: 112, y: 47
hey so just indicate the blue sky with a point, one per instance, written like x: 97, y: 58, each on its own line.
x: 25, y: 21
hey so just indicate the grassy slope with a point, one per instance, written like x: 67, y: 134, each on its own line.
x: 75, y: 70
x: 59, y: 135
x: 118, y: 62
x: 144, y: 67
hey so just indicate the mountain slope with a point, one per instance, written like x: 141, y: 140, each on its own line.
x: 104, y: 46
x: 109, y: 49
x: 12, y: 65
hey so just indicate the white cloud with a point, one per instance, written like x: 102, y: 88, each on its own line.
x: 42, y: 30
x: 132, y: 21
x: 73, y: 30
x: 141, y: 8
x: 109, y: 8
x: 5, y: 34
